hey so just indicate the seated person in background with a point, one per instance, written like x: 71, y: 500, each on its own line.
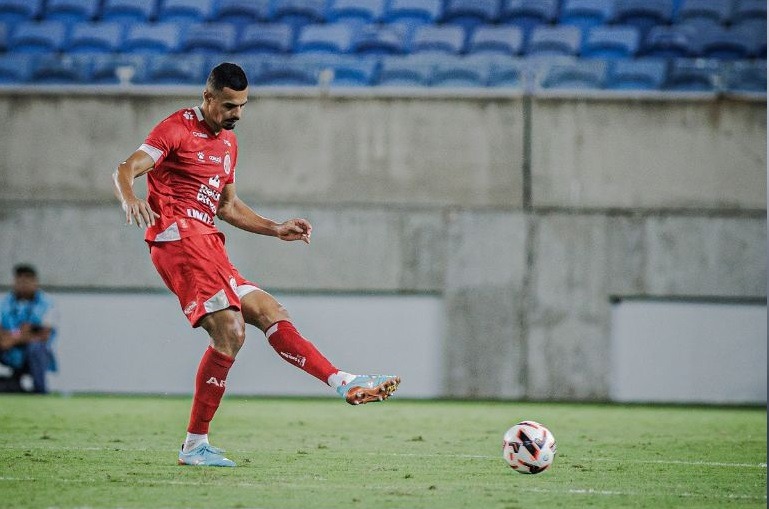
x: 27, y: 330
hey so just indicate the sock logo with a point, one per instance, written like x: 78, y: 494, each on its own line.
x: 298, y: 359
x: 216, y: 382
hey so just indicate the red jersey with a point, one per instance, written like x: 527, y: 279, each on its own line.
x: 192, y: 166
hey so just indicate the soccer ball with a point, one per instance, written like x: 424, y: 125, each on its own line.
x: 529, y: 447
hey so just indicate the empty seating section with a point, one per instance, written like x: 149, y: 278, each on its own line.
x: 662, y: 45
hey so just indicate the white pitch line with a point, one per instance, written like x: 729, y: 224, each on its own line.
x: 692, y: 463
x: 615, y: 493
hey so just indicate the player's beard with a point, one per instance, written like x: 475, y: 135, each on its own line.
x: 229, y: 125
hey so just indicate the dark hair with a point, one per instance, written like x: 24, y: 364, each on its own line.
x: 227, y: 75
x: 24, y: 269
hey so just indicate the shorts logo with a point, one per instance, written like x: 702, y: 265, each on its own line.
x: 190, y: 307
x: 227, y: 163
x: 233, y: 284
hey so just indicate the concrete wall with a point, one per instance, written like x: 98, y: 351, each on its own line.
x: 642, y: 198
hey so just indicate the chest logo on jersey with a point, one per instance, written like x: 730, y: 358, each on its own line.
x: 201, y: 156
x: 199, y: 134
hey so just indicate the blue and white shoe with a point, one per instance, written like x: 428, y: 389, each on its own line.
x: 205, y: 455
x: 367, y: 388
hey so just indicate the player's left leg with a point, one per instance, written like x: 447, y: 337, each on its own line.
x: 262, y: 310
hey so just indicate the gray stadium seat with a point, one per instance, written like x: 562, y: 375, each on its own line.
x: 501, y: 39
x: 555, y: 40
x: 438, y: 39
x: 611, y: 42
x: 641, y: 74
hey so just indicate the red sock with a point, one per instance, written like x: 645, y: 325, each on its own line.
x: 296, y: 350
x: 209, y: 389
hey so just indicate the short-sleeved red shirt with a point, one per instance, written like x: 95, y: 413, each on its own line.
x: 192, y: 165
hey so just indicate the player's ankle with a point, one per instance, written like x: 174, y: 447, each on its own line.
x: 340, y: 378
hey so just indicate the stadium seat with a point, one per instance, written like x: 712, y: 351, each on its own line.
x: 555, y: 40
x: 641, y: 74
x: 3, y: 37
x: 242, y: 12
x: 367, y: 11
x: 345, y: 70
x: 113, y: 69
x: 507, y: 73
x: 38, y: 37
x: 692, y: 75
x: 325, y: 38
x: 406, y: 71
x: 438, y: 39
x: 413, y: 12
x: 95, y: 38
x: 611, y: 42
x: 580, y: 74
x: 749, y: 10
x: 157, y: 38
x: 586, y: 14
x: 380, y: 40
x: 58, y: 69
x: 672, y: 41
x: 471, y: 13
x: 173, y: 70
x: 505, y: 40
x: 454, y: 71
x: 72, y: 10
x: 705, y: 12
x: 15, y: 68
x: 717, y: 42
x: 284, y: 71
x: 746, y: 76
x: 209, y: 38
x: 528, y: 14
x: 129, y: 11
x: 185, y: 11
x: 643, y: 14
x: 18, y: 11
x: 299, y: 12
x: 265, y: 38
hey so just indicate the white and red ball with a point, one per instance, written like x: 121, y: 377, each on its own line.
x: 529, y: 447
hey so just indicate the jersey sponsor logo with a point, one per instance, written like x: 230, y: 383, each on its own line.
x: 209, y: 197
x: 215, y: 159
x: 215, y: 381
x: 199, y: 134
x: 214, y: 181
x: 201, y: 156
x: 200, y: 216
x: 227, y: 163
x: 189, y: 308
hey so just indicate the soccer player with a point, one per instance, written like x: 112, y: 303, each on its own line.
x: 190, y: 159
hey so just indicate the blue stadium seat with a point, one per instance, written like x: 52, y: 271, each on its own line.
x: 692, y: 75
x: 242, y: 12
x: 380, y: 40
x: 284, y: 71
x: 15, y: 68
x: 586, y: 14
x: 345, y: 70
x: 528, y: 14
x: 705, y: 12
x: 755, y: 35
x: 413, y: 12
x: 266, y: 38
x: 452, y: 71
x: 406, y: 71
x: 185, y: 11
x: 368, y: 11
x: 717, y: 42
x: 749, y: 10
x: 746, y: 76
x: 3, y: 37
x: 95, y: 38
x: 611, y: 42
x: 107, y: 69
x: 438, y: 39
x: 157, y: 38
x: 471, y: 13
x: 580, y: 74
x: 18, y: 11
x: 174, y: 70
x: 209, y: 38
x: 40, y: 37
x: 129, y: 11
x: 505, y: 40
x: 555, y: 40
x: 671, y: 41
x: 643, y: 14
x: 507, y: 73
x: 325, y: 38
x: 299, y: 12
x: 72, y: 10
x: 641, y: 74
x: 58, y: 69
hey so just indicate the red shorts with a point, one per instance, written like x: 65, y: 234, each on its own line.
x: 198, y: 270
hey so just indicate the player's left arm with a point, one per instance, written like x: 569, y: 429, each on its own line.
x: 234, y: 211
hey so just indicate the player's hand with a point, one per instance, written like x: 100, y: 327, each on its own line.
x: 295, y: 229
x: 140, y: 211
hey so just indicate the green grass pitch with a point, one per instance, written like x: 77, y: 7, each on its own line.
x: 119, y: 451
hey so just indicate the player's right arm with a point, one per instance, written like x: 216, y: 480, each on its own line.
x: 123, y: 178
